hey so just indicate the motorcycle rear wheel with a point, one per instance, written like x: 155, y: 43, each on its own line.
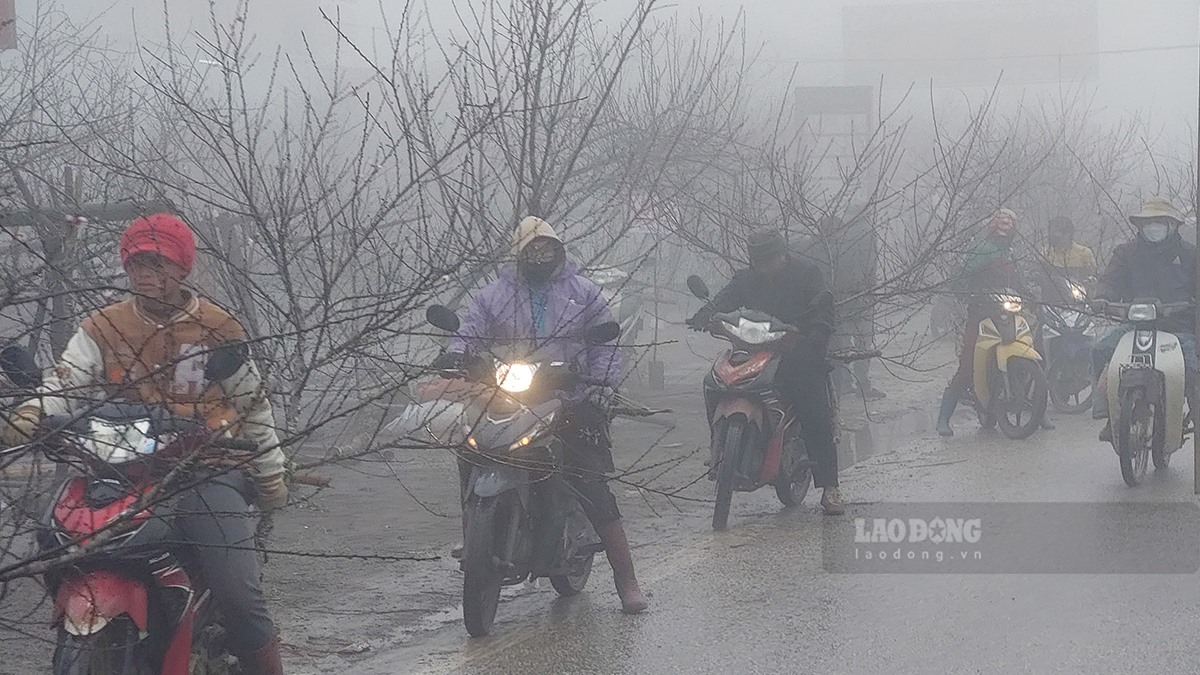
x: 1061, y: 379
x: 792, y: 489
x: 731, y: 457
x: 481, y: 578
x: 572, y: 584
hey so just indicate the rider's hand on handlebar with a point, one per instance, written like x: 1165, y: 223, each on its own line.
x: 699, y: 322
x: 21, y: 426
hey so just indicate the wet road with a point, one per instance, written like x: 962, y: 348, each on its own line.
x: 758, y: 599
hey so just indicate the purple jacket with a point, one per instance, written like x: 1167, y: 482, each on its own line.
x: 503, y: 312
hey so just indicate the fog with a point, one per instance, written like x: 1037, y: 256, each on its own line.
x: 1144, y: 63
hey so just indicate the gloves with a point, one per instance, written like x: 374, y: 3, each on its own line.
x: 602, y: 397
x: 699, y: 321
x: 20, y: 426
x: 449, y: 361
x: 272, y: 492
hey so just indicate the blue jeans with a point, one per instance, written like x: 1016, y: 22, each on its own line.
x: 1103, y: 350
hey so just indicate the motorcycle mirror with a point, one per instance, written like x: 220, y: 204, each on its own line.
x: 19, y: 366
x: 697, y: 286
x: 601, y: 333
x: 441, y: 316
x: 226, y: 360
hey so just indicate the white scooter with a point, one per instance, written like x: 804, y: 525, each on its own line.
x: 1146, y: 387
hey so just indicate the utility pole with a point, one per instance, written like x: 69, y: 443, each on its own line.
x: 1196, y: 294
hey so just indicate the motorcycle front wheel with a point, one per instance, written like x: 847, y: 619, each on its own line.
x: 482, y: 580
x: 1020, y: 413
x: 1135, y: 431
x: 730, y: 458
x: 115, y: 650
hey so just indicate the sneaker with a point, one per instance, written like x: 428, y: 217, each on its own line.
x: 456, y: 552
x: 831, y: 501
x: 1106, y: 433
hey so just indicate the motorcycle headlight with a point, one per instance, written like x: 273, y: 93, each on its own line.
x: 1078, y: 292
x: 1010, y: 303
x: 515, y: 377
x: 1142, y: 312
x: 755, y: 332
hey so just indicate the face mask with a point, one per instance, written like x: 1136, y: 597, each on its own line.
x: 1156, y: 232
x: 539, y: 272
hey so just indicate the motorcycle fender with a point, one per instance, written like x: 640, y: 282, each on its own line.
x: 1015, y: 350
x: 1166, y: 358
x: 727, y: 408
x: 84, y: 604
x: 736, y: 405
x: 1169, y: 361
x: 495, y: 480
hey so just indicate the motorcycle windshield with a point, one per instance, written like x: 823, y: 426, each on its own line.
x: 120, y: 442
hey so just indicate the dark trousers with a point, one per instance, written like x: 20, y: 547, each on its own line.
x: 803, y: 378
x: 586, y: 460
x: 964, y: 377
x: 212, y: 518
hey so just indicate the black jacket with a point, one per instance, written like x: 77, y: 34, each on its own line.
x: 787, y: 296
x: 1163, y: 271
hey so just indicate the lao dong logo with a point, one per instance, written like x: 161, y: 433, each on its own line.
x: 917, y: 530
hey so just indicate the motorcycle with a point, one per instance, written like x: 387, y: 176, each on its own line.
x: 1146, y: 379
x: 626, y: 299
x: 521, y: 519
x: 756, y: 438
x: 1009, y: 382
x: 130, y: 605
x: 1067, y: 336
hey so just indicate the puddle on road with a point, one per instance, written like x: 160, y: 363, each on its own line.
x: 882, y: 437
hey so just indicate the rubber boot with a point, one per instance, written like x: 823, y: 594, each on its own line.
x: 1100, y: 398
x: 949, y: 403
x: 616, y: 546
x: 265, y: 661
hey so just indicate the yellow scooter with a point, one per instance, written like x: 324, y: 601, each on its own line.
x: 1010, y: 382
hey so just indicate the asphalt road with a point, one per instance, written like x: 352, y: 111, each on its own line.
x: 759, y: 598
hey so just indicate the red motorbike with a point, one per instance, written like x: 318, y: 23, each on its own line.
x: 129, y: 605
x: 756, y: 438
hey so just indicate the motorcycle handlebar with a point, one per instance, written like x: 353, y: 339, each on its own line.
x: 1120, y: 309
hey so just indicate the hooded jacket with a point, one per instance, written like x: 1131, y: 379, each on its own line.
x: 503, y: 312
